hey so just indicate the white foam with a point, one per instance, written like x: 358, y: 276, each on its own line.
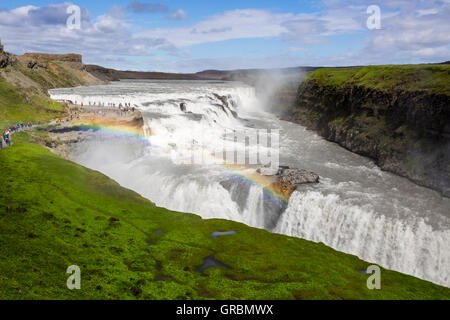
x: 409, y: 246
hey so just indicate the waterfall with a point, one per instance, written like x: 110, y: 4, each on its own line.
x: 409, y: 246
x: 357, y: 208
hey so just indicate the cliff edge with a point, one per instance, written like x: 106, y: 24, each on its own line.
x: 397, y: 115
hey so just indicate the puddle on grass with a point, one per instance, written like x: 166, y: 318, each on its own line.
x: 210, y: 262
x: 217, y: 234
x: 364, y: 272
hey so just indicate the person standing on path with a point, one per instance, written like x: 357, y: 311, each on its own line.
x: 8, y: 138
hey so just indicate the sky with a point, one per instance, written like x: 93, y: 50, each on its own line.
x: 191, y: 36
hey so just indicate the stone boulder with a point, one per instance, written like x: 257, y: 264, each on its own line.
x: 297, y: 176
x: 287, y: 179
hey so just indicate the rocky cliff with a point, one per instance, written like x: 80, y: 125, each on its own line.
x: 71, y: 57
x: 102, y: 73
x: 399, y: 116
x: 5, y: 58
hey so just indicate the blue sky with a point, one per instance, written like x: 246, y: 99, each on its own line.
x: 190, y: 36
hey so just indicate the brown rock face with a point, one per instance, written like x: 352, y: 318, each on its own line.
x: 5, y: 58
x: 43, y: 60
x: 104, y: 74
x: 44, y: 57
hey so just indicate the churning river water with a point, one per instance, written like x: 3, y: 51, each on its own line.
x: 356, y: 208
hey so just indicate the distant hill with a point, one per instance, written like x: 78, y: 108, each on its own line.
x: 229, y: 75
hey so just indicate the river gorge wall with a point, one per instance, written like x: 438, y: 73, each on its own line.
x: 401, y: 122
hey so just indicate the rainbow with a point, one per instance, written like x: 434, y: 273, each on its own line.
x: 253, y: 178
x: 116, y: 131
x: 241, y: 174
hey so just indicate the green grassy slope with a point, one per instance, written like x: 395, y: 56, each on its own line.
x: 56, y: 74
x: 430, y: 78
x: 128, y: 248
x: 21, y: 105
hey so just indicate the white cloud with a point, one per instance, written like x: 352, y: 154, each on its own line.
x: 416, y: 33
x: 178, y: 15
x: 257, y: 23
x: 107, y: 34
x: 412, y: 30
x: 236, y: 24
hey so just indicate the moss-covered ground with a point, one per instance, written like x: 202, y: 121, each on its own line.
x: 22, y: 105
x: 55, y: 213
x: 430, y: 78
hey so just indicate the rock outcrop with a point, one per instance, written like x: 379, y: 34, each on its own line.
x: 288, y: 179
x: 226, y: 104
x: 42, y: 60
x: 102, y: 73
x: 5, y: 58
x: 45, y: 57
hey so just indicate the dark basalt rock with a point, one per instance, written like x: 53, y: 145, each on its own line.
x: 405, y: 132
x: 32, y: 64
x: 223, y: 99
x: 5, y: 58
x: 239, y: 190
x: 226, y: 102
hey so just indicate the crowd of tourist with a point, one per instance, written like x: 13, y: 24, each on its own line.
x: 5, y: 138
x: 122, y: 109
x: 119, y: 109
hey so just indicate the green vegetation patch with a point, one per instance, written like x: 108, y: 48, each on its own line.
x: 430, y: 78
x: 23, y: 105
x: 54, y: 213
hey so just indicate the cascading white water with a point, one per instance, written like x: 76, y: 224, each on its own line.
x: 356, y: 208
x: 198, y: 129
x: 411, y: 246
